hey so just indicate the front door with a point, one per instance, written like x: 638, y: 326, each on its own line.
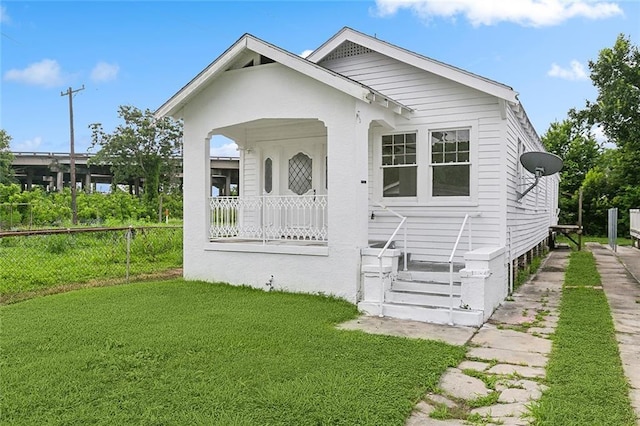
x: 295, y: 182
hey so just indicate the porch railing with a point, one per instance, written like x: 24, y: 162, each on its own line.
x: 269, y: 218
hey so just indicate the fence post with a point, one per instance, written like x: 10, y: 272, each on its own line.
x: 128, y: 250
x: 613, y: 228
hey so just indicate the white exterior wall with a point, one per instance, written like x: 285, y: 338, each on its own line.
x: 276, y: 92
x: 528, y: 219
x: 439, y: 103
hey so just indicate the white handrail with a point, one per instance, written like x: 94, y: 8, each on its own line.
x: 467, y: 217
x: 403, y: 219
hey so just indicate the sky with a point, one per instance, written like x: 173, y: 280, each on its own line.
x: 141, y: 53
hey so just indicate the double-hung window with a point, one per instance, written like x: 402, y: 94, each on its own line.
x: 450, y: 163
x: 399, y: 166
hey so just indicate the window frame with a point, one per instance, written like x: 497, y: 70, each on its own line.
x: 416, y: 164
x: 454, y: 200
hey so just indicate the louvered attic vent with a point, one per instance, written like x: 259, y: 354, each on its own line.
x: 346, y: 50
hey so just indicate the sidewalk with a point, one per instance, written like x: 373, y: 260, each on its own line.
x: 506, y: 358
x: 509, y: 352
x: 617, y: 271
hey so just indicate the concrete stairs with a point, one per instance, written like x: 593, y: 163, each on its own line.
x: 422, y: 293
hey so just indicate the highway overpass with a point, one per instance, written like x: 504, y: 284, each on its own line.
x: 51, y: 170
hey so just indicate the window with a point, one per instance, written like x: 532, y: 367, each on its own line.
x: 399, y: 167
x: 300, y: 166
x: 450, y: 163
x: 268, y: 175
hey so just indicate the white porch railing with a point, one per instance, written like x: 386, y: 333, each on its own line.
x: 403, y: 220
x: 467, y: 218
x: 269, y: 218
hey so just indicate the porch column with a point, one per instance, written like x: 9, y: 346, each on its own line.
x: 197, y: 186
x: 347, y: 139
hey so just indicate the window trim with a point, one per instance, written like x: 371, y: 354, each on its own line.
x: 456, y: 200
x: 379, y: 157
x: 423, y: 197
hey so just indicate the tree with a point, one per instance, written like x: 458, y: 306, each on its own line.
x: 616, y: 75
x: 6, y: 158
x: 580, y: 152
x: 143, y: 147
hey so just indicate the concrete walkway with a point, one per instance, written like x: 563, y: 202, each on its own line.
x: 511, y: 350
x: 617, y: 271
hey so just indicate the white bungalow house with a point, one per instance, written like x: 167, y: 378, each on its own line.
x: 344, y: 153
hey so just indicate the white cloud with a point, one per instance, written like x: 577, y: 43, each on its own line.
x: 29, y: 145
x: 531, y: 13
x: 46, y: 73
x: 104, y: 71
x: 575, y: 72
x: 601, y: 138
x: 4, y: 16
x: 306, y: 53
x: 226, y: 150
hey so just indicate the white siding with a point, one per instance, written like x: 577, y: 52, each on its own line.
x: 437, y: 102
x: 528, y: 219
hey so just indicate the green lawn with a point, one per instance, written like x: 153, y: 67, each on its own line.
x: 179, y: 352
x: 587, y: 383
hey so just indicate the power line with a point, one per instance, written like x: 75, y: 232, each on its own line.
x: 72, y: 155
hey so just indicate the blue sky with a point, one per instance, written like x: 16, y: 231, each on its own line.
x: 141, y: 53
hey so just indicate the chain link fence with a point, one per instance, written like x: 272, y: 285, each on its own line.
x: 44, y: 261
x: 16, y: 215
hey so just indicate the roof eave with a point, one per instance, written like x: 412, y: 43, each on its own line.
x: 178, y: 100
x: 311, y: 69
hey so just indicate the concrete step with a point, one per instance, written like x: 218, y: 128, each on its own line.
x: 431, y: 287
x: 432, y: 314
x: 421, y: 298
x: 426, y: 276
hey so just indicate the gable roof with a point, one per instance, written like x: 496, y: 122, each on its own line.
x: 450, y: 72
x: 250, y: 43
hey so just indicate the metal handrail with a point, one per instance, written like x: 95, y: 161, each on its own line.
x: 403, y: 220
x: 467, y: 217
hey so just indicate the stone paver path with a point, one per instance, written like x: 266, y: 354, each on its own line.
x: 506, y: 358
x: 623, y: 294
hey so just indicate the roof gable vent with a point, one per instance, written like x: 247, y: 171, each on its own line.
x: 346, y: 50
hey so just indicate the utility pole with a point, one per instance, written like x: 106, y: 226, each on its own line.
x: 72, y: 154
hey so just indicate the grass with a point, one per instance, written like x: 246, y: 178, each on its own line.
x: 585, y: 377
x: 179, y: 352
x: 34, y: 263
x: 621, y: 241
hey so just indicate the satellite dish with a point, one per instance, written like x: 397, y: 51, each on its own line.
x: 540, y: 164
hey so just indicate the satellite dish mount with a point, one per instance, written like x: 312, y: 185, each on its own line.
x: 540, y: 164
